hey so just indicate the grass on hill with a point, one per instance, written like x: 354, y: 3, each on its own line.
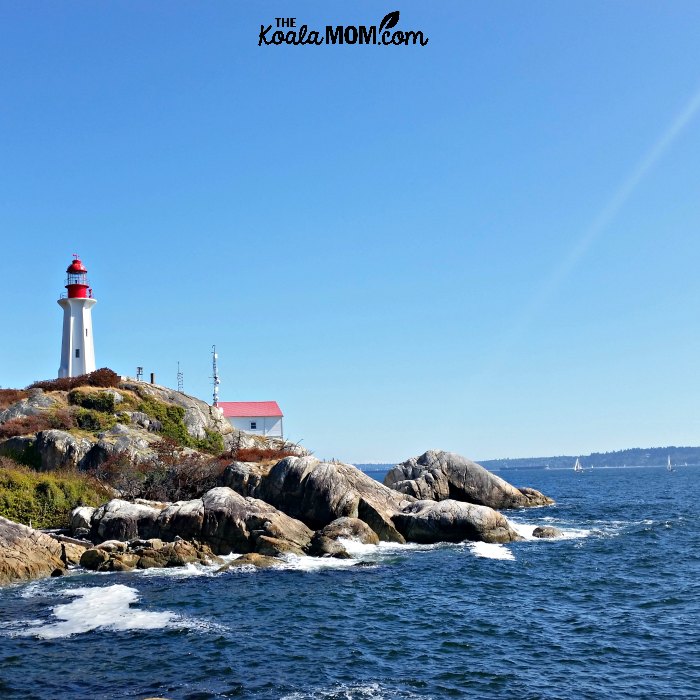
x: 45, y: 499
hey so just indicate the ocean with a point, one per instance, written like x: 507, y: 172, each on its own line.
x: 610, y: 610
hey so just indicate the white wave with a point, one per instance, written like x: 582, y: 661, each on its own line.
x: 104, y: 607
x: 365, y: 691
x: 525, y: 530
x: 491, y: 551
x: 300, y: 563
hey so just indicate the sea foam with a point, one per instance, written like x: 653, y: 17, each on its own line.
x: 489, y: 550
x: 105, y: 608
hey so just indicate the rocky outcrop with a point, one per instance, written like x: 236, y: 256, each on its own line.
x: 222, y: 518
x: 59, y: 449
x: 122, y: 520
x: 233, y: 523
x: 259, y: 561
x: 27, y: 554
x: 546, y: 532
x: 438, y: 475
x: 428, y: 522
x: 199, y: 415
x: 327, y: 542
x: 36, y: 403
x: 145, y: 554
x: 317, y: 493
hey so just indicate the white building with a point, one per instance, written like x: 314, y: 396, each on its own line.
x: 77, y: 348
x: 257, y: 417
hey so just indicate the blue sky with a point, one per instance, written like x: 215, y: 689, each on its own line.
x: 398, y: 244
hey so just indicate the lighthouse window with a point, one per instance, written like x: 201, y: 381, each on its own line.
x: 253, y: 425
x: 77, y: 352
x: 86, y: 332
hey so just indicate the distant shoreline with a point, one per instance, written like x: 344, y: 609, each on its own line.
x: 621, y: 459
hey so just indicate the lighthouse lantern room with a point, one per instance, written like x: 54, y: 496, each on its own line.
x: 77, y: 349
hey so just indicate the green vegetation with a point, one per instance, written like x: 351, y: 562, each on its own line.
x: 173, y: 426
x: 96, y: 401
x: 94, y: 421
x: 43, y: 498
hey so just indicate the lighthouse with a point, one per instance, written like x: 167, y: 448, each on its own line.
x: 77, y: 349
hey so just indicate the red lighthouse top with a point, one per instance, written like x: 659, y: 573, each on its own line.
x: 77, y: 283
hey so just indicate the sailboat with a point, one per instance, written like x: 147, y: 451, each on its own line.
x: 669, y: 468
x: 577, y: 466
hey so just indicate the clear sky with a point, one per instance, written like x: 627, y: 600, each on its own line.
x: 489, y: 244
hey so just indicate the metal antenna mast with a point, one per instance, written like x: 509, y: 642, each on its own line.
x: 180, y: 379
x: 215, y: 375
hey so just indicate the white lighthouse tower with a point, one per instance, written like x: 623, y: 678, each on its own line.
x: 77, y: 349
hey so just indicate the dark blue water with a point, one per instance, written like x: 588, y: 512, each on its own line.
x: 612, y: 611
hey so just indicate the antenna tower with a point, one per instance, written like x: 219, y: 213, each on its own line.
x: 139, y: 374
x: 215, y: 375
x: 180, y: 379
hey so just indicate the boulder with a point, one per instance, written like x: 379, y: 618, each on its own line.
x: 259, y: 561
x: 36, y: 403
x: 222, y: 518
x: 27, y: 554
x: 121, y: 520
x: 317, y: 493
x: 81, y: 518
x: 546, y: 531
x: 59, y: 449
x: 146, y: 554
x: 234, y: 523
x: 183, y: 519
x: 438, y: 475
x: 326, y: 542
x: 429, y: 522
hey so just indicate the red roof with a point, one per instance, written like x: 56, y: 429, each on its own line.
x: 250, y: 409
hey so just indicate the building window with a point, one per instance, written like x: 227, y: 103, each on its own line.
x: 253, y: 425
x: 77, y: 352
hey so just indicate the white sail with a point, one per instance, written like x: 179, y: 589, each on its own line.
x: 577, y: 466
x: 668, y: 464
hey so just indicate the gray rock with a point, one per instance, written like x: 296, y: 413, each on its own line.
x: 546, y: 531
x: 223, y: 519
x: 325, y: 542
x: 121, y: 520
x: 81, y: 518
x: 61, y: 450
x: 428, y: 522
x: 233, y: 523
x: 199, y: 415
x: 317, y: 493
x: 438, y: 475
x: 36, y: 403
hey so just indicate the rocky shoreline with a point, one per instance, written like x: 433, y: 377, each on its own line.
x: 294, y: 504
x: 299, y: 505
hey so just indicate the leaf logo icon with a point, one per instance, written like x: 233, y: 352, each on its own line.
x: 391, y: 20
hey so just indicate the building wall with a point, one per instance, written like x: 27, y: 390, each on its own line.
x: 271, y: 427
x: 77, y: 335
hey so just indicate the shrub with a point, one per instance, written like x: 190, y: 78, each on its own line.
x: 104, y: 377
x: 176, y: 474
x: 45, y: 499
x: 94, y: 421
x: 60, y: 419
x: 97, y: 401
x: 10, y: 396
x: 213, y: 442
x: 171, y: 418
x: 259, y: 454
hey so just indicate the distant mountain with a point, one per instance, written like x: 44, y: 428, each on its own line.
x: 633, y: 457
